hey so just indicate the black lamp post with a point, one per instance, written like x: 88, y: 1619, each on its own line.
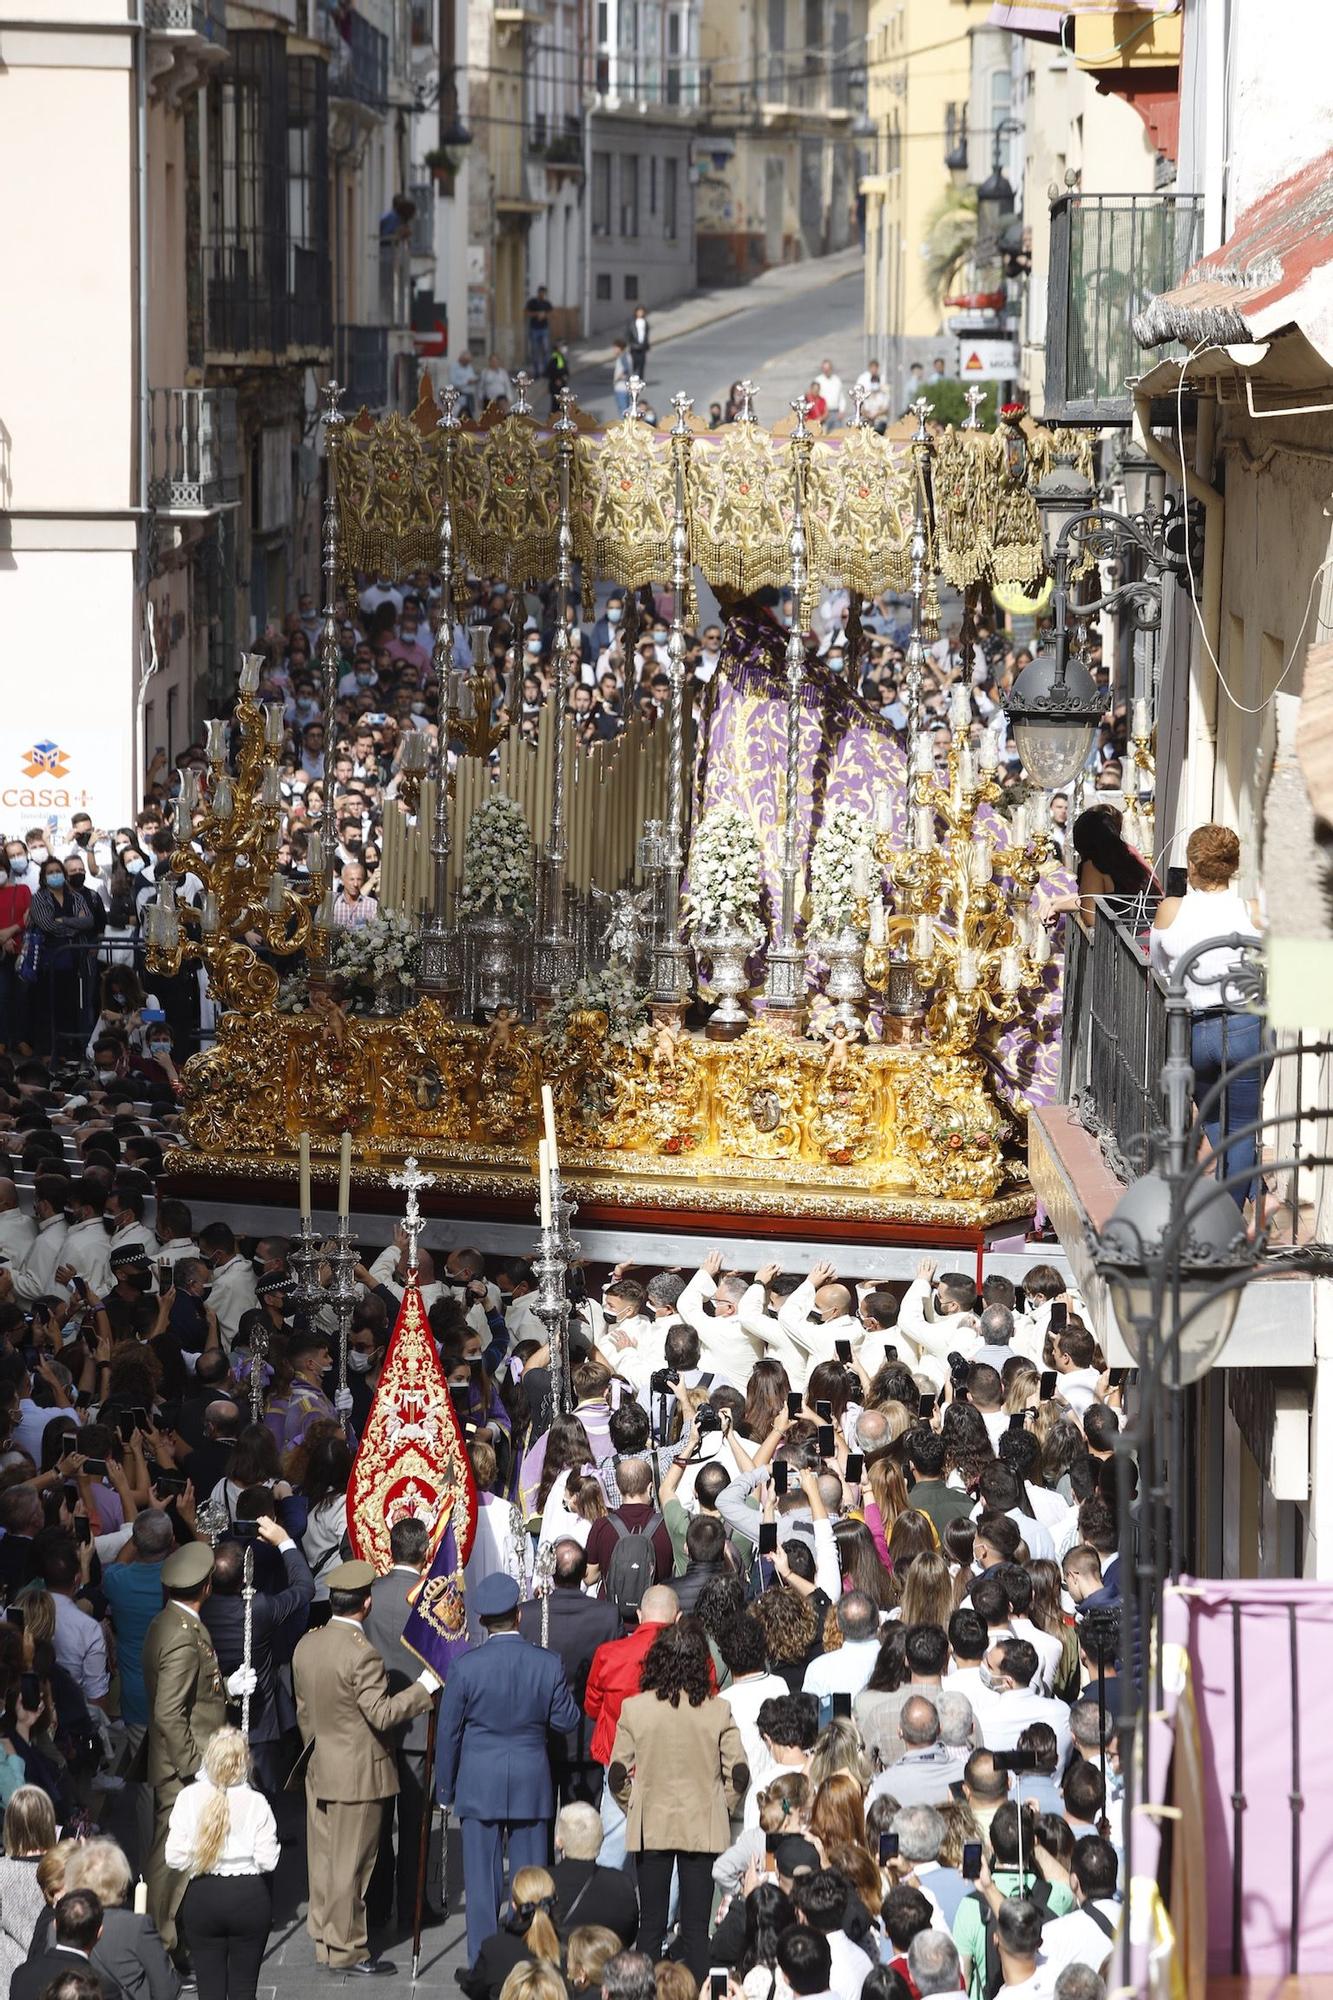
x: 1055, y: 705
x: 995, y: 197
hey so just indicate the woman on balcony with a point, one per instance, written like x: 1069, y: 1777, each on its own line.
x: 1108, y: 867
x: 1227, y: 1038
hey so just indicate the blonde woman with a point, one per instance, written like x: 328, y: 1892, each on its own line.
x: 534, y: 1982
x: 528, y: 1932
x: 590, y: 1948
x: 223, y: 1836
x: 30, y: 1833
x: 129, y: 1951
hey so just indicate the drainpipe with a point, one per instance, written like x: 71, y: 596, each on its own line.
x: 1204, y: 682
x: 143, y: 539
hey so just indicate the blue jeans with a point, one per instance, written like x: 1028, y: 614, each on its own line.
x: 612, y: 1853
x: 539, y: 343
x: 1220, y: 1042
x: 622, y: 399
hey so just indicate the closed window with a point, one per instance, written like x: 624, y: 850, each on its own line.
x: 631, y: 287
x: 603, y: 284
x: 629, y: 194
x: 601, y: 194
x: 670, y: 197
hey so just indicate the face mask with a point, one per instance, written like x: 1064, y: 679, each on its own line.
x: 204, y: 1294
x: 39, y: 855
x: 358, y: 1362
x: 138, y: 1281
x: 19, y: 863
x: 365, y: 680
x: 160, y: 1049
x: 77, y: 881
x: 534, y: 647
x: 134, y: 863
x: 659, y: 638
x: 306, y: 706
x: 614, y: 614
x: 990, y: 1679
x: 258, y: 1268
x: 56, y: 879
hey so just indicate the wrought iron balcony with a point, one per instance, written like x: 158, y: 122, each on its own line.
x: 192, y: 451
x: 205, y: 18
x: 1110, y: 254
x: 359, y: 63
x: 423, y: 220
x: 361, y: 364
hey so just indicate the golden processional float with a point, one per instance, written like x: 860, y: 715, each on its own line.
x: 869, y: 918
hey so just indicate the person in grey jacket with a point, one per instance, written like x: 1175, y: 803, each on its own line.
x: 129, y: 1951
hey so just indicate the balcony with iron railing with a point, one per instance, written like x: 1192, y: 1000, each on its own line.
x: 1110, y: 255
x: 358, y: 60
x: 189, y: 40
x: 422, y: 242
x: 192, y: 451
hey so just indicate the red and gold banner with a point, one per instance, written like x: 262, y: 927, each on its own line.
x: 411, y: 1462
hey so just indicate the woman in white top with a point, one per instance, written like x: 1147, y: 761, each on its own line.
x: 223, y: 1836
x: 1226, y: 1038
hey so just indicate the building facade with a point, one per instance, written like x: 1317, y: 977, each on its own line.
x: 782, y: 141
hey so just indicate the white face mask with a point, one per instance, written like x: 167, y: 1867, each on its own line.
x: 39, y: 855
x: 358, y: 1363
x: 105, y: 1076
x: 134, y: 864
x: 990, y: 1679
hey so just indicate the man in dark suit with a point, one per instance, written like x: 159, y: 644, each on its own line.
x: 409, y: 1545
x: 498, y: 1705
x: 278, y: 1618
x: 21, y: 1517
x: 576, y: 1627
x: 78, y: 1926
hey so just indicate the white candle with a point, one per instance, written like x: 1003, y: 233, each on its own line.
x: 544, y: 1181
x: 275, y: 725
x: 980, y: 862
x: 303, y: 1156
x: 861, y: 873
x: 1141, y: 728
x: 988, y: 750
x: 215, y: 738
x: 1020, y: 826
x: 345, y: 1177
x: 270, y: 787
x: 923, y: 835
x: 1039, y: 809
x: 182, y: 820
x: 208, y: 913
x: 960, y: 708
x: 967, y: 773
x: 141, y: 1898
x: 884, y: 813
x: 277, y: 894
x: 923, y: 755
x: 251, y: 669
x: 1041, y: 943
x: 1011, y: 971
x: 923, y: 937
x: 967, y: 970
x: 222, y: 798
x: 548, y: 1122
x: 314, y: 854
x: 878, y: 924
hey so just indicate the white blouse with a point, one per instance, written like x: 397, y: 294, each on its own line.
x: 251, y: 1845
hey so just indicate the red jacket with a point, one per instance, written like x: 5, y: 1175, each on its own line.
x: 615, y: 1673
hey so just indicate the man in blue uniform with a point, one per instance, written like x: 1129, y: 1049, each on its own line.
x: 499, y: 1704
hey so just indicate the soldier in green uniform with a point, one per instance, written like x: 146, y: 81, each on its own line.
x: 187, y: 1703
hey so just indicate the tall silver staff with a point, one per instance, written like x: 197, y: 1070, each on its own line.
x: 260, y: 1341
x: 248, y: 1593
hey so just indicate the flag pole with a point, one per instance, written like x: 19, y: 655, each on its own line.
x: 427, y: 1815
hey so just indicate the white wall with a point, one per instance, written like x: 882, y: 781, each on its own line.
x: 84, y: 711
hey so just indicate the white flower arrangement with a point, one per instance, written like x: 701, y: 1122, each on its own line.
x: 388, y: 947
x: 497, y: 861
x: 725, y: 882
x: 842, y: 839
x: 611, y: 992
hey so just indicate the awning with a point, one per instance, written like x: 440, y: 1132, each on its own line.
x: 1046, y: 17
x: 1273, y: 272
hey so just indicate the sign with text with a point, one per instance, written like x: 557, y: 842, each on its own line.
x: 983, y: 358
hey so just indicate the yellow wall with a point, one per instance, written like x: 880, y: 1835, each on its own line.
x: 919, y: 55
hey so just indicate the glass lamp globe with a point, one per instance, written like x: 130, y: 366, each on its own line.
x: 1054, y: 717
x: 1210, y: 1248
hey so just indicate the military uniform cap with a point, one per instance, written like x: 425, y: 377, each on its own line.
x: 188, y: 1567
x: 496, y: 1595
x: 351, y: 1576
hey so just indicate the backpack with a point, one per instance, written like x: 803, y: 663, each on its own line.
x: 992, y: 1973
x: 632, y: 1567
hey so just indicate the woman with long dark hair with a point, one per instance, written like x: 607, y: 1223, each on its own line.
x: 858, y: 1559
x: 1107, y: 867
x: 678, y: 1767
x: 766, y: 1394
x: 769, y: 1912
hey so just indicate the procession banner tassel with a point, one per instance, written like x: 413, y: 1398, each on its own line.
x: 411, y: 1463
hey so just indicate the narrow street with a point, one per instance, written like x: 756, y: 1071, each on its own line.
x: 779, y: 346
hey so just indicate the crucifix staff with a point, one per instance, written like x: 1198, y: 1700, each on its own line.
x: 413, y: 1180
x: 248, y: 1593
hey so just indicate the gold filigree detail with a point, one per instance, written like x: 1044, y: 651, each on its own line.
x: 844, y: 1111
x: 859, y: 511
x: 758, y: 1096
x: 624, y: 503
x: 507, y: 500
x: 953, y: 1128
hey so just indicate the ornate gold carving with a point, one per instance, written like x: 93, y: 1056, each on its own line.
x: 953, y: 1128
x: 759, y: 1096
x: 624, y: 494
x: 988, y: 527
x: 858, y: 511
x: 843, y: 1112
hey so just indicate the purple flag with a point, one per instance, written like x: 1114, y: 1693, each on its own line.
x: 436, y: 1626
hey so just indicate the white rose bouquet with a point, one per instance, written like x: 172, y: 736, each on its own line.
x: 497, y: 861
x: 725, y: 882
x: 841, y: 840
